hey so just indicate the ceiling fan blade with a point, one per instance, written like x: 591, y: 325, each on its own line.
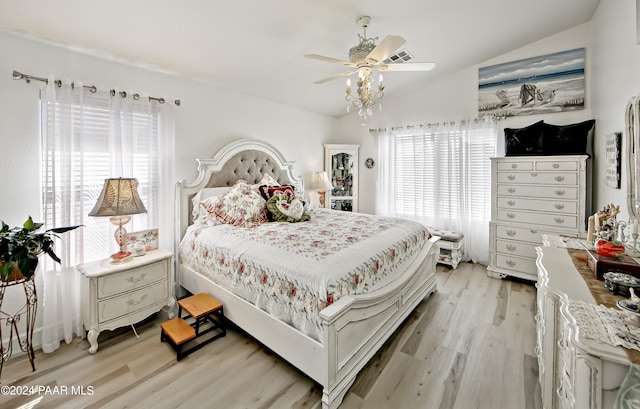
x: 335, y: 77
x: 407, y: 66
x: 387, y: 46
x: 329, y: 59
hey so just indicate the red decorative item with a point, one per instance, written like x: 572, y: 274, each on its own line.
x: 609, y: 248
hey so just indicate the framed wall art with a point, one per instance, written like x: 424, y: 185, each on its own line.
x: 537, y: 85
x: 613, y: 166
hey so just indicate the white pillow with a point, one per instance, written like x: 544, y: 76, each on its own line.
x: 266, y: 180
x: 199, y: 214
x: 241, y: 206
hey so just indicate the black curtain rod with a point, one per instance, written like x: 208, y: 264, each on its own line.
x: 28, y: 78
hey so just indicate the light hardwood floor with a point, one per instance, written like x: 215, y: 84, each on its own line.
x: 469, y: 345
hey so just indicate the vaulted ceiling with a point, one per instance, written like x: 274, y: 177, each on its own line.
x: 256, y: 47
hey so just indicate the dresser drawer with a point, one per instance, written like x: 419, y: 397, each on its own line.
x: 541, y: 178
x: 515, y: 248
x: 523, y: 265
x: 557, y: 165
x: 554, y: 206
x: 112, y: 284
x: 516, y: 165
x: 519, y: 233
x: 551, y: 192
x: 544, y: 219
x: 132, y: 301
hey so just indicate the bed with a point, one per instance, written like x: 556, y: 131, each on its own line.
x: 345, y: 332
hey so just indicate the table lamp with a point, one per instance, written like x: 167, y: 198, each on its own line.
x: 119, y: 199
x: 321, y: 183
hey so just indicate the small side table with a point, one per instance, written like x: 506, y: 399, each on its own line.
x: 29, y: 310
x: 119, y: 294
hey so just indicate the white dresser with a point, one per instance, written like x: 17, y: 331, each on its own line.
x: 533, y: 195
x: 115, y: 295
x: 574, y: 371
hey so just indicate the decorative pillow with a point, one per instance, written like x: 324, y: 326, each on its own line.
x: 572, y: 139
x: 199, y: 213
x: 267, y: 191
x: 524, y: 141
x: 301, y: 195
x: 285, y: 208
x: 266, y: 180
x: 241, y: 206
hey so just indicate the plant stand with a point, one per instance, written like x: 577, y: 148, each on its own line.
x: 12, y: 320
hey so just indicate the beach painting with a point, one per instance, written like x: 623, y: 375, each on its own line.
x: 537, y: 85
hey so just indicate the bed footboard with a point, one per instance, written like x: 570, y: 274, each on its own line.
x: 356, y: 327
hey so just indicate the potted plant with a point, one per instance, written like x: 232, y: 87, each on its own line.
x: 20, y: 248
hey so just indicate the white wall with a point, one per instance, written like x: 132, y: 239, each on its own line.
x: 455, y: 97
x: 208, y: 119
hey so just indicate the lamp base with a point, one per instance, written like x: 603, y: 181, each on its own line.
x: 121, y: 257
x: 321, y: 193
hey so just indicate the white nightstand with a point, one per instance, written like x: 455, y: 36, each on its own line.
x: 115, y: 295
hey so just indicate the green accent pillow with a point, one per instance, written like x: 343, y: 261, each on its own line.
x: 285, y: 208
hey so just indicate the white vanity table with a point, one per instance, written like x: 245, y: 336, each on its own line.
x: 574, y: 371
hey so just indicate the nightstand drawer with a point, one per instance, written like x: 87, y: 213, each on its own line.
x: 130, y: 302
x: 114, y: 284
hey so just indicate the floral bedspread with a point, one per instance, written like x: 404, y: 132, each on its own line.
x: 294, y: 270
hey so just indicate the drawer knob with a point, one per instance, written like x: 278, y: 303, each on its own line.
x: 534, y: 174
x: 514, y: 166
x: 559, y: 220
x: 511, y: 215
x: 511, y: 233
x: 533, y: 231
x: 511, y: 177
x: 511, y: 202
x: 556, y: 165
x: 559, y: 206
x: 510, y: 263
x: 559, y: 192
x: 511, y: 190
x: 136, y: 279
x: 511, y: 247
x: 559, y: 178
x: 138, y: 301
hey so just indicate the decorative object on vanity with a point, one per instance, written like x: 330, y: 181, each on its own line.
x: 600, y: 265
x: 621, y: 283
x: 321, y: 184
x: 369, y: 163
x: 609, y: 248
x: 603, y: 224
x: 119, y: 200
x: 20, y: 248
x: 544, y: 84
x: 541, y: 138
x: 365, y: 58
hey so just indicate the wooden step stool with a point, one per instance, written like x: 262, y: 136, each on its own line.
x: 203, y: 309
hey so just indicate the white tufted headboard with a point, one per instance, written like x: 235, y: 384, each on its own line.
x: 246, y: 159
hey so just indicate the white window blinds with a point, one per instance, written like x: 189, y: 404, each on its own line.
x: 438, y: 175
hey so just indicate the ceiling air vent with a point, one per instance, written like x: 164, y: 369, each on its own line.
x: 399, y: 57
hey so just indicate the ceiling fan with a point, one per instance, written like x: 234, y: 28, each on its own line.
x: 367, y: 56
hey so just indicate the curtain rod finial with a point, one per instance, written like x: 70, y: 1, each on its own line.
x: 17, y: 75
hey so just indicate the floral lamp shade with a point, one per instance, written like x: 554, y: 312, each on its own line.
x: 118, y: 200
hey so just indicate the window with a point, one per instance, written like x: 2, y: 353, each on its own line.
x: 439, y: 176
x: 102, y: 142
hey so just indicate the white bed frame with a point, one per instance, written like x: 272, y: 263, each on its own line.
x: 355, y: 327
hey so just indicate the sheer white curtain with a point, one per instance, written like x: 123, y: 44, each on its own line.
x: 87, y: 137
x: 440, y: 175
